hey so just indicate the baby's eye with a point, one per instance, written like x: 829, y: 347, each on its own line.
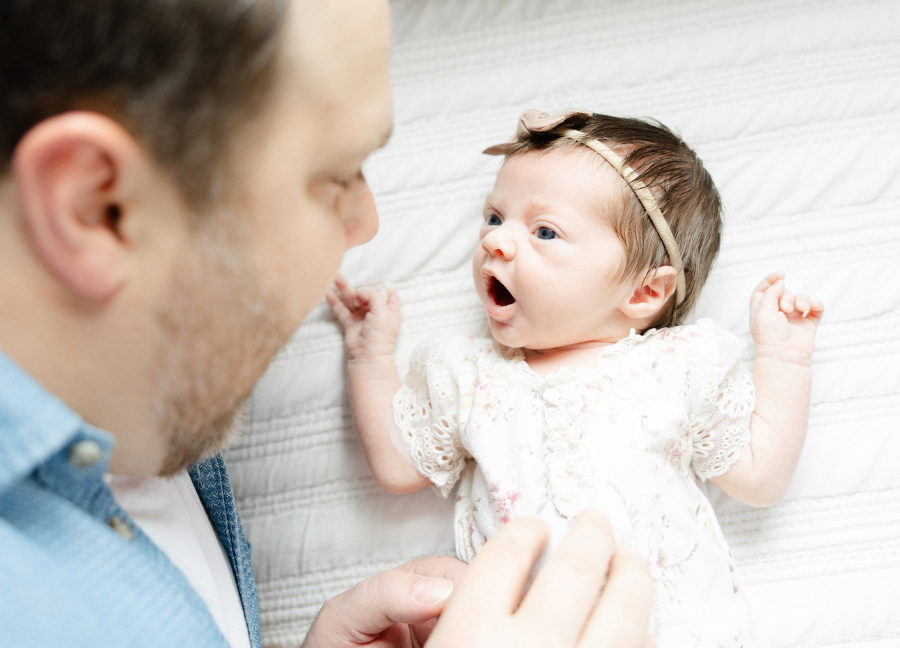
x: 545, y: 233
x: 492, y: 219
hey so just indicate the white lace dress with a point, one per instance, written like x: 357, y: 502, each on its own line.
x: 631, y: 436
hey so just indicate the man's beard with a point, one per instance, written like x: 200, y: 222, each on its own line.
x: 217, y: 334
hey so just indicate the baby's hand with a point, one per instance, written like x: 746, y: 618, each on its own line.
x: 370, y: 318
x: 783, y: 325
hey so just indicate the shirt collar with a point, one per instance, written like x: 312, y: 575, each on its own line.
x: 34, y: 425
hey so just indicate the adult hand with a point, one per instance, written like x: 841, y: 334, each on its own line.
x: 394, y: 609
x: 487, y: 610
x: 561, y: 608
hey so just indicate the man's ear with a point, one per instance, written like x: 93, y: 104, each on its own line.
x: 650, y: 293
x: 72, y: 173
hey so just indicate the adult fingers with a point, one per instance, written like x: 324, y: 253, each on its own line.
x: 492, y: 585
x: 436, y: 567
x: 620, y: 617
x: 375, y: 605
x: 565, y: 590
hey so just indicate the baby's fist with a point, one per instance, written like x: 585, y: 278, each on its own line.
x: 370, y: 317
x: 783, y: 324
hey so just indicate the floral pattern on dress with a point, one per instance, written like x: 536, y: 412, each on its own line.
x: 504, y: 501
x: 633, y: 436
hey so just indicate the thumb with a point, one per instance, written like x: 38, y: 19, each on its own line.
x: 362, y: 613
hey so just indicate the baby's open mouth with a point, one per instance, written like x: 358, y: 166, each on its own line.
x: 499, y: 293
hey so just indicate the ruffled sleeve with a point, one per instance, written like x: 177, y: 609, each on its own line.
x: 720, y: 419
x: 426, y: 413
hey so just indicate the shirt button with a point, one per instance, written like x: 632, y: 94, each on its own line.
x: 121, y: 527
x: 85, y: 454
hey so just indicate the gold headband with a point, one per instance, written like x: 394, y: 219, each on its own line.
x: 535, y: 121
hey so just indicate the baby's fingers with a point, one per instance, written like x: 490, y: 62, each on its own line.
x: 359, y: 298
x: 786, y: 302
x: 802, y: 304
x: 767, y: 293
x: 807, y: 307
x: 816, y: 309
x: 339, y: 308
x: 348, y: 294
x: 770, y: 280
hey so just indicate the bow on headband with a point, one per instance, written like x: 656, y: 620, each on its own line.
x: 535, y: 121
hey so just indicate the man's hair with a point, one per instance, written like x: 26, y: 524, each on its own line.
x: 680, y: 183
x: 180, y: 75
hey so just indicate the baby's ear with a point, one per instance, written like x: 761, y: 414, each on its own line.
x: 651, y: 292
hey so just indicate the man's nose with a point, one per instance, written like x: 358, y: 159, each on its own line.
x: 360, y: 215
x: 499, y: 243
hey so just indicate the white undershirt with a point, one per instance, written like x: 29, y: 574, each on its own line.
x: 170, y: 512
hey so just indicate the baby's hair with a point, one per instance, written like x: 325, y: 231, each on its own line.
x: 680, y: 184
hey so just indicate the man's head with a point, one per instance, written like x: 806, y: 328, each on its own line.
x: 179, y: 75
x: 176, y: 195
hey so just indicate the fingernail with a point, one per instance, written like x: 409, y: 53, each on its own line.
x: 432, y: 590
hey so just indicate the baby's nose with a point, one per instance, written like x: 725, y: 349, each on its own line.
x: 498, y: 244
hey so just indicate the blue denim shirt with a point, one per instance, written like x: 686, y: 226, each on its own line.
x: 74, y: 568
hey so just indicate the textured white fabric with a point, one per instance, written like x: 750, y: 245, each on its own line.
x: 795, y: 108
x: 170, y: 512
x: 628, y: 435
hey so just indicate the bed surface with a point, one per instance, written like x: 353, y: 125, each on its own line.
x: 795, y: 108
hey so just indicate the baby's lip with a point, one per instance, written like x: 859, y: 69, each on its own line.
x: 500, y: 301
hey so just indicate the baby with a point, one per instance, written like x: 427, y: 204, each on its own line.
x: 597, y: 238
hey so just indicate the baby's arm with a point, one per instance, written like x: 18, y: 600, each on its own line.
x: 783, y: 326
x: 371, y: 321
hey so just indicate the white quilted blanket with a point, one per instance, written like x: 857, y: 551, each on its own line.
x: 795, y: 107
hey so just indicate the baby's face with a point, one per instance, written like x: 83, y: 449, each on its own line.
x: 545, y: 269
